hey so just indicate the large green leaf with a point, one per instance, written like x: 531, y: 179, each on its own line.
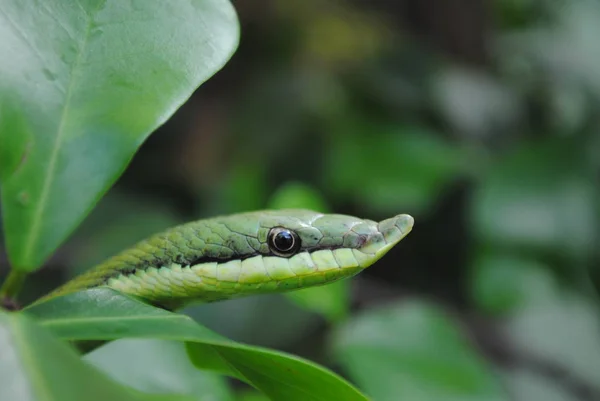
x: 157, y: 366
x: 251, y: 395
x: 82, y: 85
x: 413, y: 352
x: 36, y: 366
x: 104, y: 314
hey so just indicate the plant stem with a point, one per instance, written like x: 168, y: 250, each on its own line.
x: 12, y: 285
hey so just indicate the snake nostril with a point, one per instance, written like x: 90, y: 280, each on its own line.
x: 360, y: 241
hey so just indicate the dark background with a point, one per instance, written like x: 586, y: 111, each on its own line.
x: 479, y: 118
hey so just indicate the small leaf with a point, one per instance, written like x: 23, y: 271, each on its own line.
x: 539, y: 197
x: 105, y: 314
x: 295, y: 195
x: 36, y: 366
x: 86, y: 83
x: 155, y: 366
x: 243, y: 188
x: 331, y: 300
x: 563, y: 331
x: 542, y: 320
x: 525, y: 385
x: 386, y: 169
x: 566, y: 51
x: 503, y: 283
x: 288, y: 378
x: 413, y: 352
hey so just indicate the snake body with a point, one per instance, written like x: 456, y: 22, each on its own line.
x: 243, y: 254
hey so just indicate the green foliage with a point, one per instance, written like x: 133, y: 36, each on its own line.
x: 331, y: 301
x: 158, y: 367
x: 295, y: 195
x: 413, y: 351
x: 552, y: 314
x: 330, y: 107
x: 503, y: 283
x: 83, y: 87
x: 542, y: 197
x: 30, y: 357
x: 104, y: 314
x: 406, y: 166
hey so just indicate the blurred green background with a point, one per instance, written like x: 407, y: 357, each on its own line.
x: 479, y: 118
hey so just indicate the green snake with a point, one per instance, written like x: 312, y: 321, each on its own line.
x: 244, y: 254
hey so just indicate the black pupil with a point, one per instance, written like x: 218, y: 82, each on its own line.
x: 284, y: 241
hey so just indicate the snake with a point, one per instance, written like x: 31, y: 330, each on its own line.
x: 243, y: 254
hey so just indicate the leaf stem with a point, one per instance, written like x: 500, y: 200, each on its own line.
x: 11, y: 287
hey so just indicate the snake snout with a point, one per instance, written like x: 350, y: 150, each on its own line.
x: 396, y: 228
x: 386, y: 234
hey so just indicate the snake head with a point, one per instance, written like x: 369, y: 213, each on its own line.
x: 341, y: 235
x: 301, y: 248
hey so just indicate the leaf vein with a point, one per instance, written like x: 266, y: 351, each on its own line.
x: 34, y: 232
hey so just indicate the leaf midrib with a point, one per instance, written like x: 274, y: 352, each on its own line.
x: 59, y: 321
x: 34, y: 232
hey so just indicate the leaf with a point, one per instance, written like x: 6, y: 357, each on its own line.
x: 86, y: 84
x: 475, y: 104
x: 14, y: 149
x: 331, y: 301
x: 281, y: 322
x: 386, y: 168
x: 296, y: 195
x: 540, y: 197
x: 566, y: 51
x: 563, y: 331
x: 243, y: 188
x: 543, y: 321
x: 413, y: 352
x: 156, y: 366
x: 36, y: 366
x: 502, y: 283
x: 105, y: 314
x: 524, y: 385
x: 279, y: 378
x: 251, y: 396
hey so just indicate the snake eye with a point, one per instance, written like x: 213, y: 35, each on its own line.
x: 283, y: 242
